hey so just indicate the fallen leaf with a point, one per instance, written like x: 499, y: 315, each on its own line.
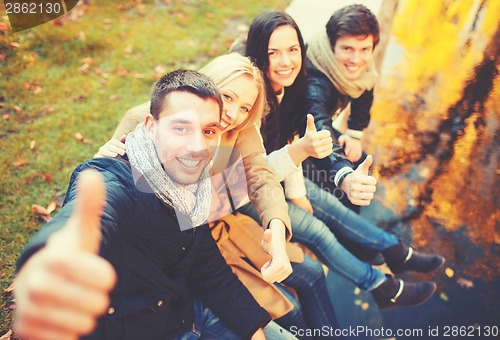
x: 32, y: 145
x: 27, y: 85
x: 210, y: 15
x: 79, y: 136
x: 2, y: 57
x: 57, y: 22
x: 162, y: 69
x: 15, y: 45
x: 10, y: 288
x: 79, y: 98
x: 21, y: 162
x: 85, y: 68
x: 81, y: 36
x: 18, y: 109
x: 122, y: 72
x: 39, y: 210
x: 88, y: 60
x: 443, y: 297
x: 7, y: 336
x: 114, y: 97
x: 6, y: 116
x: 37, y: 89
x: 47, y: 176
x: 129, y: 49
x: 51, y: 207
x: 449, y: 272
x: 4, y: 27
x: 464, y: 283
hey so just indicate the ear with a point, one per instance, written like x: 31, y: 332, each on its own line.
x: 150, y: 125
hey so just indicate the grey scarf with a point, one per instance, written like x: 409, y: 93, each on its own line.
x: 319, y: 52
x: 192, y: 200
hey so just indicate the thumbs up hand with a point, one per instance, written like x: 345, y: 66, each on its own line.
x: 317, y: 144
x: 63, y: 288
x: 358, y: 185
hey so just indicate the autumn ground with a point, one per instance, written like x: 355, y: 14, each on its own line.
x: 66, y: 84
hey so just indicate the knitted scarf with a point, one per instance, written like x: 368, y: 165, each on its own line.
x: 319, y: 52
x: 192, y: 200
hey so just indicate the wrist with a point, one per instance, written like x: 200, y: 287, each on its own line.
x: 297, y: 152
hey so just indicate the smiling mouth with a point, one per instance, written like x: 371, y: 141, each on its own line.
x: 224, y: 124
x: 284, y: 72
x: 352, y: 68
x: 189, y: 163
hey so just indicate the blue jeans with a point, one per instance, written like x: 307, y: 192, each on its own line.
x: 309, y: 282
x: 208, y: 326
x: 317, y: 233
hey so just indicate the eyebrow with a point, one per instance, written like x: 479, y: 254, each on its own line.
x: 188, y: 122
x: 233, y: 93
x: 276, y: 49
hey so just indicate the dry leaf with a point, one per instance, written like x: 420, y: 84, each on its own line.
x: 4, y: 27
x: 39, y: 210
x: 32, y: 145
x: 18, y: 109
x: 37, y: 89
x: 47, y: 176
x: 129, y: 49
x: 114, y: 97
x: 27, y: 85
x: 7, y: 336
x: 15, y: 45
x: 443, y: 296
x: 464, y: 283
x: 6, y: 116
x: 2, y: 57
x: 20, y: 162
x: 51, y: 207
x: 122, y: 72
x: 81, y: 36
x: 162, y: 69
x: 79, y: 136
x: 449, y: 272
x: 85, y: 68
x: 88, y: 60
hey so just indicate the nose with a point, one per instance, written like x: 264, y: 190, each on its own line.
x: 197, y: 142
x: 355, y: 56
x: 285, y: 59
x: 231, y: 111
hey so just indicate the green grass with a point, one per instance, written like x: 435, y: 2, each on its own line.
x: 134, y: 36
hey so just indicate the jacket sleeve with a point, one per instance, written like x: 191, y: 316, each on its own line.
x: 109, y: 220
x: 360, y: 114
x: 320, y: 100
x: 264, y: 190
x: 212, y: 281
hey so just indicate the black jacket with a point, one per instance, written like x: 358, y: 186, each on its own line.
x: 160, y: 268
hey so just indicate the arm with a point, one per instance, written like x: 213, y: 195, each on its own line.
x: 212, y: 280
x: 56, y: 293
x: 130, y: 120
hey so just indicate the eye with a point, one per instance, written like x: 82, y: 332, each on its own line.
x: 294, y: 49
x: 272, y: 53
x: 209, y: 132
x: 245, y: 109
x: 227, y: 97
x: 180, y: 129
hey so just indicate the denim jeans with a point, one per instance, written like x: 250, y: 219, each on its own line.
x: 317, y: 233
x: 309, y: 282
x: 208, y: 326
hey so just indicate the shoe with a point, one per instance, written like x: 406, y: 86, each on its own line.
x: 395, y: 292
x: 400, y: 258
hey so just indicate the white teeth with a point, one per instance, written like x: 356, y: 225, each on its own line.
x: 188, y: 162
x: 352, y: 68
x: 284, y: 72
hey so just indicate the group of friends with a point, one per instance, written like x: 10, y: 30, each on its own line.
x: 153, y: 240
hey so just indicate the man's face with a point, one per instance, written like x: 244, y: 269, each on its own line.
x: 183, y: 135
x: 353, y: 52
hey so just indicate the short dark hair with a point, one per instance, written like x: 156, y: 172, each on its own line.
x: 183, y: 81
x: 352, y: 20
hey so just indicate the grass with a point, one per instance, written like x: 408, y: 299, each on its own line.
x: 79, y: 75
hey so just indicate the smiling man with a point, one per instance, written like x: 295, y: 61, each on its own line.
x: 121, y: 223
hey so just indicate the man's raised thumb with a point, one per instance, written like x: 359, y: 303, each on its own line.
x: 89, y: 205
x: 365, y: 166
x: 310, y: 123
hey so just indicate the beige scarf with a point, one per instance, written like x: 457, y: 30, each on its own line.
x: 192, y: 200
x: 319, y: 52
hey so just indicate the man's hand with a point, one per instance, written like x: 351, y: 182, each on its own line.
x: 273, y: 243
x: 259, y: 335
x: 63, y: 288
x: 112, y: 148
x: 358, y: 185
x: 352, y: 147
x: 303, y: 202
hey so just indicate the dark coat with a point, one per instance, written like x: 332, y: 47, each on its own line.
x: 160, y: 268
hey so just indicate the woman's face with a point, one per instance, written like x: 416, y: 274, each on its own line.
x: 285, y: 58
x: 239, y: 96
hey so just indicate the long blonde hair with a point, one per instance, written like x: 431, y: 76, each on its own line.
x: 226, y: 68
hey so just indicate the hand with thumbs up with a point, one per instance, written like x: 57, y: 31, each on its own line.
x: 317, y: 144
x: 358, y: 185
x: 64, y: 287
x: 353, y: 147
x: 274, y: 244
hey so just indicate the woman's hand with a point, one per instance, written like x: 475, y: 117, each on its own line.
x: 303, y: 202
x: 317, y: 144
x: 352, y: 147
x: 112, y: 148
